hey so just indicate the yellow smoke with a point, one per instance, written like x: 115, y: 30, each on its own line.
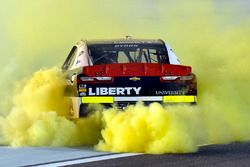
x: 39, y: 116
x: 210, y: 36
x: 220, y: 59
x: 153, y: 129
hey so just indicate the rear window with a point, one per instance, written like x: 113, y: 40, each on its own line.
x: 127, y: 53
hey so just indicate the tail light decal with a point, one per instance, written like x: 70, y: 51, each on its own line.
x: 169, y: 78
x: 173, y: 78
x: 92, y: 79
x: 179, y: 99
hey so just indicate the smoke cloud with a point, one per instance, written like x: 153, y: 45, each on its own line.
x: 210, y: 36
x: 40, y: 115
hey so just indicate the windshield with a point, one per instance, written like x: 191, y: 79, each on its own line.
x: 127, y: 53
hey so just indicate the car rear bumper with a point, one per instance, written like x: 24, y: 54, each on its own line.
x: 123, y: 101
x: 117, y: 99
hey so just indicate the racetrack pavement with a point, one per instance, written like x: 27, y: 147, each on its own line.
x: 229, y: 155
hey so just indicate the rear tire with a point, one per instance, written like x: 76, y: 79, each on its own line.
x: 83, y: 110
x: 193, y: 103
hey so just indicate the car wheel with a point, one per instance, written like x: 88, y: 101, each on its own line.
x: 84, y: 111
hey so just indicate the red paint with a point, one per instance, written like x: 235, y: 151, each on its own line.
x: 137, y: 69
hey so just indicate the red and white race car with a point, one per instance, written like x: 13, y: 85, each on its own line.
x: 125, y: 71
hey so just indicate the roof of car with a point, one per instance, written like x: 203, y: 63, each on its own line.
x: 125, y: 41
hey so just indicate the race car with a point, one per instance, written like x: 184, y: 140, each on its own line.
x: 125, y: 71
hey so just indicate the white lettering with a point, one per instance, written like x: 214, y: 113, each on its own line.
x: 104, y: 91
x: 137, y: 90
x: 119, y: 91
x: 170, y: 92
x: 114, y: 91
x: 128, y: 90
x: 97, y: 91
x: 91, y: 92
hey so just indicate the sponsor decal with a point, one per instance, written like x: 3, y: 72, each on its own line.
x: 134, y: 79
x: 78, y: 61
x: 82, y: 94
x: 170, y: 92
x: 80, y: 53
x: 114, y: 91
x: 82, y: 90
x: 126, y: 46
x: 82, y: 86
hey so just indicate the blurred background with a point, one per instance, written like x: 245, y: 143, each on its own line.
x: 39, y: 34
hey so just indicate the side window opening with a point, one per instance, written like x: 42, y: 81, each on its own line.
x: 122, y: 57
x: 70, y: 59
x: 105, y: 57
x: 143, y: 56
x: 153, y: 56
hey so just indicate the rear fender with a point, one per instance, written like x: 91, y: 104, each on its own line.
x: 74, y: 107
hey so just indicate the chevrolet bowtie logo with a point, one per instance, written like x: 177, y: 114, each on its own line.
x: 134, y: 79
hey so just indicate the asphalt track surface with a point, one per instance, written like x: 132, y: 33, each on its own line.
x: 230, y: 155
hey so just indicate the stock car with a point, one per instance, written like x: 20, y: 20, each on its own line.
x: 125, y: 71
